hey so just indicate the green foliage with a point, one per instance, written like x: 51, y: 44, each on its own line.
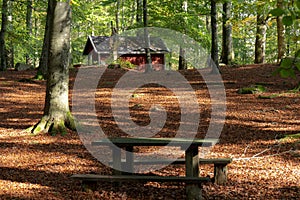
x: 122, y: 64
x: 252, y: 89
x: 288, y: 67
x: 95, y: 17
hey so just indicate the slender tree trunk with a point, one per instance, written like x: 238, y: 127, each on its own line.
x: 10, y: 60
x: 148, y: 67
x: 29, y: 26
x: 207, y: 24
x: 139, y: 11
x: 117, y: 16
x: 182, y: 54
x: 280, y: 34
x: 260, y: 42
x: 43, y: 63
x: 182, y: 60
x: 227, y: 49
x: 3, y: 54
x: 214, y: 37
x: 57, y: 114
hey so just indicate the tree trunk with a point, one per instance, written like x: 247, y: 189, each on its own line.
x: 214, y: 37
x: 260, y: 42
x: 182, y: 60
x: 29, y: 26
x: 139, y: 11
x: 227, y: 49
x: 148, y: 66
x: 10, y: 52
x: 117, y: 16
x: 280, y: 34
x: 57, y: 115
x: 182, y: 64
x: 3, y: 54
x: 43, y: 63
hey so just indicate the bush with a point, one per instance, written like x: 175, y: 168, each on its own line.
x: 120, y: 63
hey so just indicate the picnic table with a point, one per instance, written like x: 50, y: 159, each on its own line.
x: 191, y: 161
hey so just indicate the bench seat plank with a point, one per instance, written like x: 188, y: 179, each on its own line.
x: 138, y: 178
x: 217, y: 161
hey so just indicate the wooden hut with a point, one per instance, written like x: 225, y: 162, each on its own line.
x: 101, y: 49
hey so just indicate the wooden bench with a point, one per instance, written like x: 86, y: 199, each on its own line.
x: 89, y: 181
x: 138, y: 178
x: 220, y: 166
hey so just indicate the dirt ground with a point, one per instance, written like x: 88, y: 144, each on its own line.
x: 265, y: 164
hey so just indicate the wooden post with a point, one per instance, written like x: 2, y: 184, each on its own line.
x: 129, y: 159
x: 99, y: 59
x: 116, y: 160
x: 193, y: 191
x: 220, y: 174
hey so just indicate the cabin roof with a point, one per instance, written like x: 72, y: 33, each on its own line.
x: 124, y: 45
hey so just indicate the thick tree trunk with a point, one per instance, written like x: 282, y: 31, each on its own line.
x: 280, y: 34
x: 227, y: 49
x: 260, y: 42
x: 3, y: 54
x: 57, y: 115
x: 214, y: 37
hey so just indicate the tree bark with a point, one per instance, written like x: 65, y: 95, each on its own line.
x: 227, y: 49
x: 182, y: 60
x: 29, y: 26
x: 280, y: 34
x: 3, y: 54
x: 182, y: 64
x: 43, y: 63
x: 10, y: 52
x: 214, y: 37
x: 148, y: 66
x: 57, y: 114
x: 260, y: 41
x: 139, y: 11
x: 118, y: 3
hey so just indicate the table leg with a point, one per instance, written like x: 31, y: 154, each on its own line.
x: 129, y: 160
x: 193, y: 191
x: 192, y: 161
x: 116, y: 154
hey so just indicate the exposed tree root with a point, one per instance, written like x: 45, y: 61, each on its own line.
x: 54, y: 125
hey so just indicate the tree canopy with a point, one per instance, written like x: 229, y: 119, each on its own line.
x: 23, y: 33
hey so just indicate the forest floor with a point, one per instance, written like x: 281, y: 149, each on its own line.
x: 266, y: 165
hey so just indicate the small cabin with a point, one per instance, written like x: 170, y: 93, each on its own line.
x: 101, y: 49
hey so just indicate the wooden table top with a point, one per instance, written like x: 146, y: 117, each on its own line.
x: 143, y: 141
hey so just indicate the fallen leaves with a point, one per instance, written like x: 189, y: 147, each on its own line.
x: 39, y: 167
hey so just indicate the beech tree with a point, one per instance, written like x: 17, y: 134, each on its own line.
x: 214, y: 36
x: 260, y: 41
x: 57, y: 116
x: 227, y: 48
x: 146, y: 38
x: 280, y: 33
x: 43, y: 62
x: 3, y: 54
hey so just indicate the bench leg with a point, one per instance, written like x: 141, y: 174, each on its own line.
x: 220, y: 174
x: 88, y: 186
x: 193, y: 192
